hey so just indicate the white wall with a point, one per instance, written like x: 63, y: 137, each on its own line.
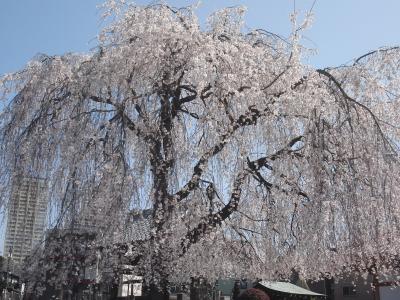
x: 389, y: 293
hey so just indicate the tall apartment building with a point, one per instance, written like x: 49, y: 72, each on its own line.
x: 26, y: 218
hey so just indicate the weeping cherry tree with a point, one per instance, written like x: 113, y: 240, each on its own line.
x: 251, y: 162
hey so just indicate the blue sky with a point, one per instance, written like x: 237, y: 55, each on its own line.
x: 342, y: 30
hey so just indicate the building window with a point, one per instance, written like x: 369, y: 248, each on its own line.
x: 349, y: 291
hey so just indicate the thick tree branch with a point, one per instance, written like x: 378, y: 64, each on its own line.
x: 121, y: 114
x: 249, y: 118
x: 256, y: 165
x: 216, y: 219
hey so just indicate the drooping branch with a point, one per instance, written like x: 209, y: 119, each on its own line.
x: 357, y: 60
x: 332, y: 78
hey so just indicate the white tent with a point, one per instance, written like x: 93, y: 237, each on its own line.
x: 286, y: 287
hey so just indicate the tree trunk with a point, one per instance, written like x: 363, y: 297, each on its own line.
x: 159, y: 283
x: 159, y: 292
